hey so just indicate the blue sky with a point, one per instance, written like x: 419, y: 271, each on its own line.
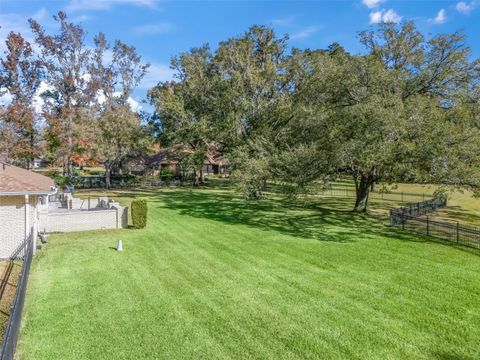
x: 160, y: 29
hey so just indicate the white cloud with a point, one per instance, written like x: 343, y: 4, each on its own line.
x: 283, y: 21
x: 375, y: 17
x: 18, y: 23
x: 305, y: 33
x: 5, y: 97
x: 441, y: 17
x: 81, y: 18
x: 40, y: 14
x: 155, y: 74
x: 465, y: 8
x: 134, y: 105
x: 384, y: 16
x: 93, y: 5
x: 160, y: 28
x: 15, y: 23
x: 37, y: 102
x: 372, y: 3
x: 391, y: 16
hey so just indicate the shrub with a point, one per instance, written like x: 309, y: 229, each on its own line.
x: 60, y: 180
x: 167, y: 174
x: 139, y: 213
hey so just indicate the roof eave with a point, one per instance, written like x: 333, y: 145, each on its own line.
x: 19, y: 193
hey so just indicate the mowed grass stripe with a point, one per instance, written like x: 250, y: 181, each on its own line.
x: 197, y: 283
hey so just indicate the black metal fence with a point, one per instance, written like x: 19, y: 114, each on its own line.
x: 416, y: 209
x: 379, y: 194
x: 414, y: 218
x: 10, y: 336
x: 455, y: 233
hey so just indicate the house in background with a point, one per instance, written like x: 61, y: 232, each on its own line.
x: 170, y: 159
x: 39, y: 164
x: 21, y: 193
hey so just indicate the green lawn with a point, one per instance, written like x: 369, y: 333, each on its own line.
x: 213, y: 276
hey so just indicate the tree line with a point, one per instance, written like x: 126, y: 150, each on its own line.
x: 405, y: 109
x: 70, y: 102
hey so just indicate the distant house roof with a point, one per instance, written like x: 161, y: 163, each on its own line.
x: 174, y: 154
x: 170, y: 155
x: 17, y: 181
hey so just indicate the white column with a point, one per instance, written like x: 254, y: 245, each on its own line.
x: 27, y: 219
x: 28, y: 226
x: 36, y: 200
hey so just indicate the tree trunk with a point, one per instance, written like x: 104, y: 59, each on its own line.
x: 195, y: 178
x: 362, y: 191
x: 32, y: 146
x: 108, y: 172
x: 372, y: 187
x: 69, y: 167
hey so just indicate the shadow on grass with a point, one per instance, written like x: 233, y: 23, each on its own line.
x: 447, y: 356
x: 326, y: 219
x: 456, y: 213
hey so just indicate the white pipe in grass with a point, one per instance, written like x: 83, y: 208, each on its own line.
x: 120, y: 245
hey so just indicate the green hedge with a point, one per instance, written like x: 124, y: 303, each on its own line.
x: 139, y: 213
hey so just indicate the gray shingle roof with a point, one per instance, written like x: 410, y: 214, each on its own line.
x: 16, y: 180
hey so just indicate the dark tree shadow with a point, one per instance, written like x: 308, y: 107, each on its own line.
x: 449, y: 356
x: 328, y: 220
x: 324, y: 218
x: 462, y: 215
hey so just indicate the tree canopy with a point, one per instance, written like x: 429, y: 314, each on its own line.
x: 404, y: 109
x: 84, y: 113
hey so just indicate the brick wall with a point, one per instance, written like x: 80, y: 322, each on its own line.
x: 13, y: 222
x: 80, y: 221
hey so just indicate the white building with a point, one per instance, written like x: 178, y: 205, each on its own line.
x: 21, y: 192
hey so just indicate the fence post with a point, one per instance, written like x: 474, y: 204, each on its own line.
x: 428, y: 227
x: 402, y: 196
x: 423, y: 196
x: 458, y: 231
x: 403, y: 223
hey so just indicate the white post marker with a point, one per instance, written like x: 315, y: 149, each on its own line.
x: 120, y: 246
